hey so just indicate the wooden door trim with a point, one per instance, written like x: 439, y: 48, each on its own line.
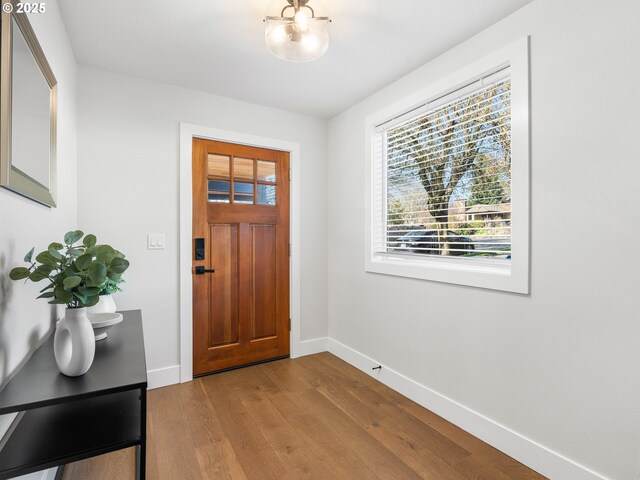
x: 184, y: 371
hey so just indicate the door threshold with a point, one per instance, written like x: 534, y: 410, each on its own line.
x: 240, y: 366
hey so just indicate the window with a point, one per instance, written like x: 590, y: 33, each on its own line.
x: 448, y: 178
x: 449, y: 163
x: 246, y: 176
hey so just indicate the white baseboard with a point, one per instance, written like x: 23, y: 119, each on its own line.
x: 161, y: 377
x: 309, y: 347
x: 547, y: 462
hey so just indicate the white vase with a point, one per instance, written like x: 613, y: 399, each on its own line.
x: 74, y: 343
x: 105, y: 305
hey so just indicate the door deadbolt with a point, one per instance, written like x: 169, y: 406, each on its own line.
x: 199, y: 248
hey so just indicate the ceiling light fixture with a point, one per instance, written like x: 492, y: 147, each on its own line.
x: 299, y: 38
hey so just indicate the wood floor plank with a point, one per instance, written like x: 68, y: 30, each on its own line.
x: 486, y: 460
x: 369, y: 450
x: 335, y: 455
x: 201, y: 418
x: 173, y: 436
x: 252, y: 449
x: 215, y: 455
x: 292, y: 450
x: 323, y: 441
x: 218, y: 461
x: 426, y: 451
x: 104, y: 467
x: 326, y: 444
x: 314, y: 417
x: 286, y: 374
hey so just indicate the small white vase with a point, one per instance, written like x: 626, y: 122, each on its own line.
x: 105, y: 304
x: 74, y: 343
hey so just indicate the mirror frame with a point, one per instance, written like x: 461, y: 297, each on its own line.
x: 11, y: 177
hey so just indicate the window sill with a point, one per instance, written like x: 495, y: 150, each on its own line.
x: 495, y: 275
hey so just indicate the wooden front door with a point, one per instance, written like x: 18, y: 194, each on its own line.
x: 241, y: 228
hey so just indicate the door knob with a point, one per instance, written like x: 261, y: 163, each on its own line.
x: 202, y: 270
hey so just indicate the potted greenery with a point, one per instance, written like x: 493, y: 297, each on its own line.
x: 76, y: 274
x: 106, y: 304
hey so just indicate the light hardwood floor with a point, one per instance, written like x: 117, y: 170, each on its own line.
x: 314, y: 417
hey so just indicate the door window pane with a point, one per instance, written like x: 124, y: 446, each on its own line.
x: 218, y: 191
x: 266, y: 194
x: 218, y: 165
x: 266, y: 171
x: 242, y: 192
x: 243, y: 168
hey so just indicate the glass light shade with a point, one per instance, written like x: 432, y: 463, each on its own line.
x: 299, y: 40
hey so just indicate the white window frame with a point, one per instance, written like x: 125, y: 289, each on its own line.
x: 511, y: 276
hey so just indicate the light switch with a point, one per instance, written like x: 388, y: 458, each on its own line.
x: 155, y: 241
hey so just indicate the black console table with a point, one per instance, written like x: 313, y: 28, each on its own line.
x: 69, y: 419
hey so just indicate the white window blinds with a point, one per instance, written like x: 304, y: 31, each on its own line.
x: 446, y: 175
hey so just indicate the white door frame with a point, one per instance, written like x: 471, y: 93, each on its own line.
x: 187, y: 132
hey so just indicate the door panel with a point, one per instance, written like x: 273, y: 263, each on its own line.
x: 263, y: 246
x: 241, y: 210
x: 223, y: 322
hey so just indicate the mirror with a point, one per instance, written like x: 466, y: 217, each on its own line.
x: 28, y: 94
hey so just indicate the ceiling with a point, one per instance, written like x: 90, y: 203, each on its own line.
x: 217, y: 46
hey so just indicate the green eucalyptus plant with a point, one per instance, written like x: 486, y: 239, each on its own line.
x: 109, y: 287
x: 76, y: 272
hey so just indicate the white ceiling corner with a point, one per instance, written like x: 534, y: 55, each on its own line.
x: 217, y: 46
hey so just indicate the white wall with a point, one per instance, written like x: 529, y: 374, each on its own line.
x: 128, y: 150
x: 561, y: 365
x: 23, y: 223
